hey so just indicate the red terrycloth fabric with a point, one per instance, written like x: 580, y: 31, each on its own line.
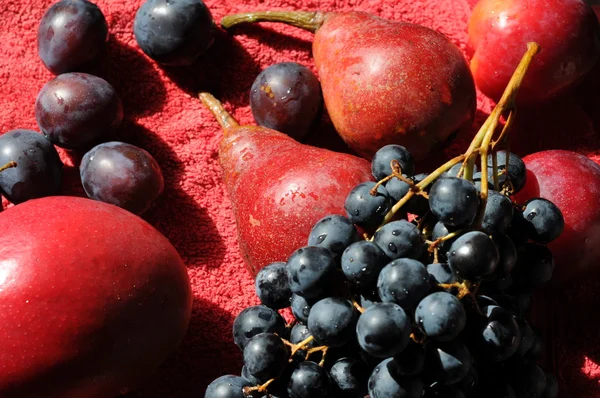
x: 163, y: 116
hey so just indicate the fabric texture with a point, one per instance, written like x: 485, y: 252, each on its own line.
x: 163, y: 116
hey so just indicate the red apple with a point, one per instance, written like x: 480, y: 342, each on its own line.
x: 92, y: 299
x: 572, y: 182
x: 566, y: 30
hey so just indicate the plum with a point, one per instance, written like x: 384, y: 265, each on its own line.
x: 92, y: 299
x: 572, y: 182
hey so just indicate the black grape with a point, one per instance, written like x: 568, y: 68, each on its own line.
x: 121, y: 174
x: 474, y: 256
x: 441, y: 316
x: 508, y: 255
x: 403, y: 281
x: 301, y: 307
x: 383, y: 330
x: 498, y: 213
x: 310, y: 269
x: 361, y: 263
x: 444, y: 392
x: 254, y: 320
x: 551, y: 390
x: 536, y: 352
x: 287, y: 97
x: 265, y: 356
x: 454, y: 201
x: 39, y: 169
x: 448, y: 363
x: 411, y: 361
x: 535, y: 265
x: 333, y: 232
x: 442, y: 273
x: 272, y: 286
x: 544, y: 219
x: 528, y: 380
x: 381, y: 162
x: 71, y: 36
x: 516, y: 173
x: 227, y: 386
x: 397, y: 188
x: 527, y: 336
x: 439, y: 231
x: 252, y: 379
x: 349, y: 378
x: 332, y: 321
x: 298, y: 334
x: 496, y: 389
x: 78, y: 110
x: 366, y: 210
x: 309, y: 380
x: 400, y: 239
x: 501, y: 335
x: 174, y: 32
x: 386, y: 382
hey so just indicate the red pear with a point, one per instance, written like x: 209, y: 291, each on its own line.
x: 92, y: 299
x: 278, y: 187
x: 385, y: 82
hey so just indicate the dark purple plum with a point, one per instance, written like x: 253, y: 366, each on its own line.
x: 174, y: 32
x: 287, y: 97
x: 71, y: 36
x: 39, y: 169
x: 77, y: 110
x: 121, y: 174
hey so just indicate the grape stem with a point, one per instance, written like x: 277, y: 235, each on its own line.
x: 301, y: 345
x: 464, y: 288
x: 358, y: 306
x: 396, y: 173
x: 260, y: 388
x: 8, y: 165
x: 434, y: 244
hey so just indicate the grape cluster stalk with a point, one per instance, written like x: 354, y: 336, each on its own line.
x: 421, y: 290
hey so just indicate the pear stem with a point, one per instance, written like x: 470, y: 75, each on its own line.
x: 307, y: 20
x: 224, y: 118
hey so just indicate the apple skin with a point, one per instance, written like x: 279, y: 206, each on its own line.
x: 566, y: 30
x: 92, y: 299
x: 572, y: 182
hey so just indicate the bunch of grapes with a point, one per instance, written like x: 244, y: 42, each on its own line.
x: 422, y: 290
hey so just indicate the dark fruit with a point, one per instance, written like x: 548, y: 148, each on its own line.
x: 174, y: 32
x: 77, y: 110
x: 39, y: 169
x: 72, y: 34
x: 121, y: 174
x: 287, y: 97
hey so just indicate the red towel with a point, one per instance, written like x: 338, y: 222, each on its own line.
x: 162, y: 116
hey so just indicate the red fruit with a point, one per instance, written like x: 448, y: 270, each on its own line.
x: 385, y: 82
x: 566, y: 30
x: 92, y: 299
x: 572, y: 182
x: 279, y: 188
